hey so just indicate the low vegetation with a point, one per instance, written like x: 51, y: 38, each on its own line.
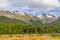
x: 29, y: 37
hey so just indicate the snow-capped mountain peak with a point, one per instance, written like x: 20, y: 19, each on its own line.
x: 48, y: 18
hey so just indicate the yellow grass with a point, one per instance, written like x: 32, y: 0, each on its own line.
x: 29, y: 37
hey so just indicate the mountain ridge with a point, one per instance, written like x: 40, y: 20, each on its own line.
x: 28, y: 18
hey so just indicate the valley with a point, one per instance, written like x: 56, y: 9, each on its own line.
x: 23, y: 26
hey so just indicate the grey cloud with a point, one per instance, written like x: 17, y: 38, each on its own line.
x: 40, y: 4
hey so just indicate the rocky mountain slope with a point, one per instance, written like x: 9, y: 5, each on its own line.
x: 7, y: 16
x: 48, y: 18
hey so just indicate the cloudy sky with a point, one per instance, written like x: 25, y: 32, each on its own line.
x: 34, y: 7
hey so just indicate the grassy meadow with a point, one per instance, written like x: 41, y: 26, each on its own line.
x: 30, y: 37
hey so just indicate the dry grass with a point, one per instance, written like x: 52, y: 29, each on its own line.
x: 29, y: 37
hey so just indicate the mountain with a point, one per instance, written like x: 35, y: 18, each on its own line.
x: 17, y: 15
x: 21, y: 23
x: 56, y: 23
x: 47, y: 18
x: 22, y: 17
x: 4, y: 19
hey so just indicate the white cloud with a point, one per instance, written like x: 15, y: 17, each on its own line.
x: 24, y: 7
x: 5, y: 4
x: 42, y: 4
x: 38, y: 4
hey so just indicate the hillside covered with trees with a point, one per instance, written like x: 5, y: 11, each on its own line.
x: 14, y: 26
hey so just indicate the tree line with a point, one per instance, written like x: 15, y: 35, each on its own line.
x: 27, y: 29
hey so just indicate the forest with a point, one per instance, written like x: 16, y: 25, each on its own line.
x: 19, y: 27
